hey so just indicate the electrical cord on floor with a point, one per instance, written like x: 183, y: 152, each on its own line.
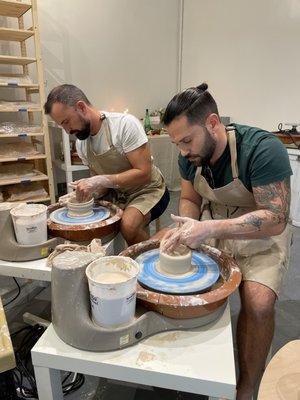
x: 24, y: 369
x: 16, y: 296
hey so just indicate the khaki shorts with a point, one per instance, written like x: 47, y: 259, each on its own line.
x: 261, y: 260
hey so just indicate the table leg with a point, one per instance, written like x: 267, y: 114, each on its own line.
x: 48, y: 382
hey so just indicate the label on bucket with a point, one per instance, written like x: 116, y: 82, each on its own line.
x: 30, y: 223
x: 30, y: 234
x: 31, y: 229
x: 108, y: 312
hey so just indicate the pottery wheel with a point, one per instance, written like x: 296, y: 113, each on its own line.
x: 203, y: 274
x: 60, y: 216
x: 187, y: 305
x: 105, y: 227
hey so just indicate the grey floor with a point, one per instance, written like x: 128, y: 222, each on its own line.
x: 287, y: 327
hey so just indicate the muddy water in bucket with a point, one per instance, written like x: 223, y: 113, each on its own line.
x: 112, y: 283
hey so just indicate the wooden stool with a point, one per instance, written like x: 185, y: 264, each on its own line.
x: 281, y: 379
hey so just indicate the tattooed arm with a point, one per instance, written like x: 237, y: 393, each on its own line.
x: 273, y: 209
x: 270, y: 219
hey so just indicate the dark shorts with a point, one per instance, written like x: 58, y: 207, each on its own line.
x: 161, y: 206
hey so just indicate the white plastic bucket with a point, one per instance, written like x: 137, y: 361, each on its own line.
x: 112, y: 283
x: 30, y: 223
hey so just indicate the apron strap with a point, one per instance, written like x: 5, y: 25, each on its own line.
x: 107, y: 133
x: 233, y: 153
x: 197, y: 174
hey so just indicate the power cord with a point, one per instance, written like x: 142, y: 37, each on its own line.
x: 16, y: 296
x: 24, y: 369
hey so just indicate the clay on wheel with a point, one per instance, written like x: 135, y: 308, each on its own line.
x: 79, y: 210
x: 176, y: 262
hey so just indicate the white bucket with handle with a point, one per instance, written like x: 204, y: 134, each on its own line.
x: 30, y: 223
x: 112, y: 283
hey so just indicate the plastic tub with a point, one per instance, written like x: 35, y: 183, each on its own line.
x: 112, y: 283
x: 30, y: 223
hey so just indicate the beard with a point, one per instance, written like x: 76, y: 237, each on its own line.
x: 202, y: 159
x: 83, y: 133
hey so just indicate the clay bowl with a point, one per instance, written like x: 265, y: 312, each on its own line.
x: 79, y: 210
x: 104, y: 230
x: 189, y: 306
x: 182, y: 264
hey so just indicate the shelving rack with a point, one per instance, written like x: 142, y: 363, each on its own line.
x: 21, y: 10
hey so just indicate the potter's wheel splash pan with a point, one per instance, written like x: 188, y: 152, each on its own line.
x: 189, y: 306
x: 104, y: 229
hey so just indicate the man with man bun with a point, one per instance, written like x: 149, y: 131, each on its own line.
x: 235, y: 193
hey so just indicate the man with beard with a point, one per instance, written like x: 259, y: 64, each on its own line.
x: 235, y: 191
x: 116, y: 149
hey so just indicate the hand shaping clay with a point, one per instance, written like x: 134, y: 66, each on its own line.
x: 176, y: 262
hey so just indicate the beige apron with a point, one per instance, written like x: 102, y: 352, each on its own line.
x: 144, y: 198
x: 261, y: 260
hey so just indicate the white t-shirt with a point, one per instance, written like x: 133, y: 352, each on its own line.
x: 126, y: 131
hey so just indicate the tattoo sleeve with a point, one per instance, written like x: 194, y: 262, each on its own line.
x: 273, y: 207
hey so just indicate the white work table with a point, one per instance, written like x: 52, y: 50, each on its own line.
x: 198, y: 361
x: 38, y: 269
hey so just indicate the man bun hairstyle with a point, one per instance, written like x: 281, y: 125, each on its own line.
x: 202, y: 87
x: 66, y: 94
x: 196, y: 103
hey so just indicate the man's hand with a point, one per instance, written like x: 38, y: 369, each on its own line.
x: 63, y: 200
x: 270, y: 219
x: 96, y: 186
x: 190, y: 232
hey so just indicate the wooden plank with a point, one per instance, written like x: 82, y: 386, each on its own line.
x: 14, y: 60
x: 12, y: 84
x: 21, y: 135
x: 15, y: 35
x: 23, y: 158
x: 28, y: 179
x: 39, y: 199
x: 36, y: 200
x: 7, y: 106
x: 7, y: 357
x: 41, y: 81
x: 10, y: 8
x: 21, y: 109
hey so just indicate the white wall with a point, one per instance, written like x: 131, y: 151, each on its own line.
x: 121, y: 53
x: 249, y: 54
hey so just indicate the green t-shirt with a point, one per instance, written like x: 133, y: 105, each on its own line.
x: 262, y: 159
